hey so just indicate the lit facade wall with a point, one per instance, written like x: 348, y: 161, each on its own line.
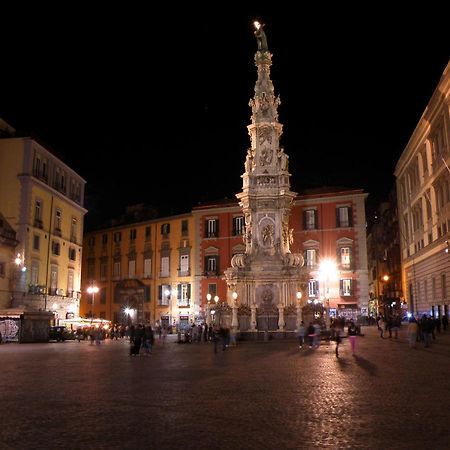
x: 423, y: 197
x: 43, y: 201
x: 327, y: 238
x: 219, y: 234
x: 147, y: 267
x: 331, y: 226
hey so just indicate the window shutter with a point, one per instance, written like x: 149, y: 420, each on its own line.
x: 206, y: 228
x: 217, y: 265
x: 341, y: 288
x: 316, y: 219
x: 352, y: 265
x: 234, y: 226
x: 338, y: 223
x: 304, y: 220
x: 350, y: 216
x: 189, y: 291
x: 352, y: 287
x: 179, y: 292
x: 339, y: 257
x: 159, y: 292
x: 206, y: 264
x: 217, y: 227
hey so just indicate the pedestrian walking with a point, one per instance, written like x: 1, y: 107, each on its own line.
x: 352, y: 333
x: 338, y: 338
x: 413, y: 328
x: 301, y: 334
x: 445, y: 322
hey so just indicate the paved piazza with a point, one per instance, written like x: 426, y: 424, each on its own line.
x: 259, y: 395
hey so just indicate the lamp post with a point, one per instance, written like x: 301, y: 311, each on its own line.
x: 299, y: 309
x: 208, y: 310
x: 216, y: 302
x: 19, y: 261
x: 234, y: 319
x: 92, y: 290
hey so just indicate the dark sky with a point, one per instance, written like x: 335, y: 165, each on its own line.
x: 153, y: 107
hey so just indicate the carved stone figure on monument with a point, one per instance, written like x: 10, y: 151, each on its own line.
x: 267, y: 234
x: 266, y: 156
x: 267, y: 297
x: 283, y: 160
x: 291, y: 236
x: 249, y: 161
x: 261, y: 38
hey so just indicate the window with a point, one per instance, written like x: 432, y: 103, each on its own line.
x: 91, y: 269
x: 184, y: 264
x: 183, y: 294
x: 91, y: 241
x: 238, y: 225
x: 313, y: 288
x: 58, y: 215
x: 104, y: 239
x: 133, y: 234
x: 38, y: 210
x: 184, y: 228
x: 70, y: 276
x: 165, y: 229
x: 102, y: 296
x: 117, y: 237
x: 116, y: 269
x: 131, y: 268
x: 53, y: 279
x: 211, y: 264
x: 2, y: 269
x: 37, y: 166
x: 212, y: 289
x: 73, y: 230
x: 147, y: 267
x: 35, y: 273
x: 164, y: 293
x: 311, y: 257
x: 165, y: 271
x: 345, y: 257
x: 72, y: 254
x: 343, y: 217
x: 56, y: 248
x: 36, y: 242
x: 103, y: 270
x: 310, y: 219
x: 346, y: 287
x: 212, y: 228
x: 148, y: 233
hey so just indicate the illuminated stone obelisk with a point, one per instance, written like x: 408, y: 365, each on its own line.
x: 263, y: 281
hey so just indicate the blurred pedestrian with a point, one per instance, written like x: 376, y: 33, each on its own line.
x: 352, y: 333
x: 301, y: 334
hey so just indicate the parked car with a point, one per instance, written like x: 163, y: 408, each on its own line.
x: 58, y: 334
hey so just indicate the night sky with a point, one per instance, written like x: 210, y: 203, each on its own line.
x: 142, y: 104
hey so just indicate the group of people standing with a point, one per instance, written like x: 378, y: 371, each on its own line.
x: 313, y: 334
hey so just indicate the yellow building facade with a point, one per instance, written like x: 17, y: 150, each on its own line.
x: 42, y: 198
x: 143, y: 270
x: 8, y: 267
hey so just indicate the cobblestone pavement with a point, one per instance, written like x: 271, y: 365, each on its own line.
x: 259, y: 395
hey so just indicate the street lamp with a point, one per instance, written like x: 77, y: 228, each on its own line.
x: 216, y: 301
x: 92, y: 290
